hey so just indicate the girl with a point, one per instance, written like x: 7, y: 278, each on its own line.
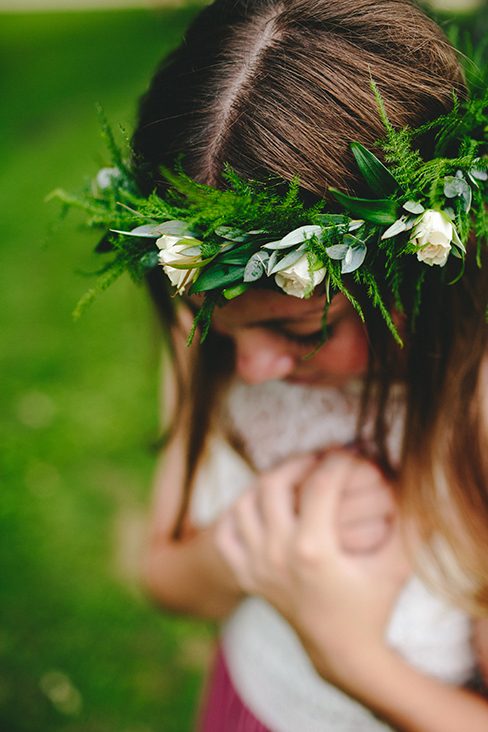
x: 329, y: 627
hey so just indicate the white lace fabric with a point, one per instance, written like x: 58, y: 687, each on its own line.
x: 268, y: 665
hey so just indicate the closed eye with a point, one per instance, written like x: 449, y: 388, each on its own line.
x: 302, y: 339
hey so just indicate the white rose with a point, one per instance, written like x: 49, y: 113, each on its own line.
x: 296, y: 280
x: 433, y: 235
x: 173, y: 252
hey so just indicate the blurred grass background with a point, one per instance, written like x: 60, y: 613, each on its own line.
x: 81, y: 650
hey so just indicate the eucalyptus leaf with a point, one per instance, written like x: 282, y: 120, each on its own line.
x: 352, y: 241
x: 414, y: 207
x: 466, y: 200
x: 355, y: 224
x: 338, y: 251
x: 273, y: 259
x: 143, y: 232
x: 455, y: 186
x: 228, y: 247
x: 298, y: 235
x: 397, y: 228
x: 231, y: 233
x: 173, y: 228
x: 255, y: 268
x: 381, y: 211
x: 478, y: 174
x: 353, y: 259
x: 287, y: 260
x: 273, y: 244
x: 378, y: 178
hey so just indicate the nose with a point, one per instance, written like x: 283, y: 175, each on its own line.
x: 261, y: 356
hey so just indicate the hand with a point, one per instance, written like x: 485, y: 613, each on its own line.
x: 307, y: 538
x: 255, y: 536
x: 350, y: 563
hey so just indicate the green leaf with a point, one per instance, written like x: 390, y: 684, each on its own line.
x: 378, y: 178
x: 338, y: 251
x: 287, y: 260
x: 256, y: 266
x: 414, y: 207
x: 396, y: 228
x: 354, y: 258
x: 219, y: 275
x: 380, y: 211
x: 295, y: 237
x: 231, y: 292
x: 239, y: 256
x: 230, y: 233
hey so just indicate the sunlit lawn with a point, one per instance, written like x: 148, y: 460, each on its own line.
x: 81, y: 650
x: 80, y: 647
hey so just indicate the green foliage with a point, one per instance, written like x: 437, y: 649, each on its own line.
x: 378, y: 178
x: 398, y: 149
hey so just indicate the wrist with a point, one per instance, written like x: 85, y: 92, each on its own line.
x: 357, y: 666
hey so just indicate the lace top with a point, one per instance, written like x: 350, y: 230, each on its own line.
x: 268, y: 665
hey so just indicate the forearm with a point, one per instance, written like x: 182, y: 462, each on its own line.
x: 406, y: 698
x: 190, y: 576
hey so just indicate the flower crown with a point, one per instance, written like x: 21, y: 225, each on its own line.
x: 220, y: 243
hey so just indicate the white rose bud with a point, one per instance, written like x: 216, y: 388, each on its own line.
x: 173, y: 252
x: 296, y: 280
x: 432, y: 236
x: 106, y: 176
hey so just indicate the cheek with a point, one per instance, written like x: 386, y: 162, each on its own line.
x: 346, y: 351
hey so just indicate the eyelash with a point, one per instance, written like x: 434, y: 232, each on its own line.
x: 309, y: 339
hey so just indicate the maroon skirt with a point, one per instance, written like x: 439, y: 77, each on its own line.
x: 223, y: 710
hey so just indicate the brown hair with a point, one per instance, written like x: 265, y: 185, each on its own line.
x: 281, y: 88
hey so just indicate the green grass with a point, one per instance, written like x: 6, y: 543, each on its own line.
x: 81, y: 650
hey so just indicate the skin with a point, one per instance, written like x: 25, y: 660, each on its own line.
x: 274, y: 332
x: 318, y: 537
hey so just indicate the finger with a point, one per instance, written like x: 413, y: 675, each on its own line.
x: 366, y: 536
x: 277, y: 490
x: 365, y: 504
x: 321, y: 494
x: 366, y: 511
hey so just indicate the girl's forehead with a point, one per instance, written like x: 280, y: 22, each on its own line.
x: 258, y: 306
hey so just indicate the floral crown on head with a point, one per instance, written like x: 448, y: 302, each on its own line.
x: 222, y: 242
